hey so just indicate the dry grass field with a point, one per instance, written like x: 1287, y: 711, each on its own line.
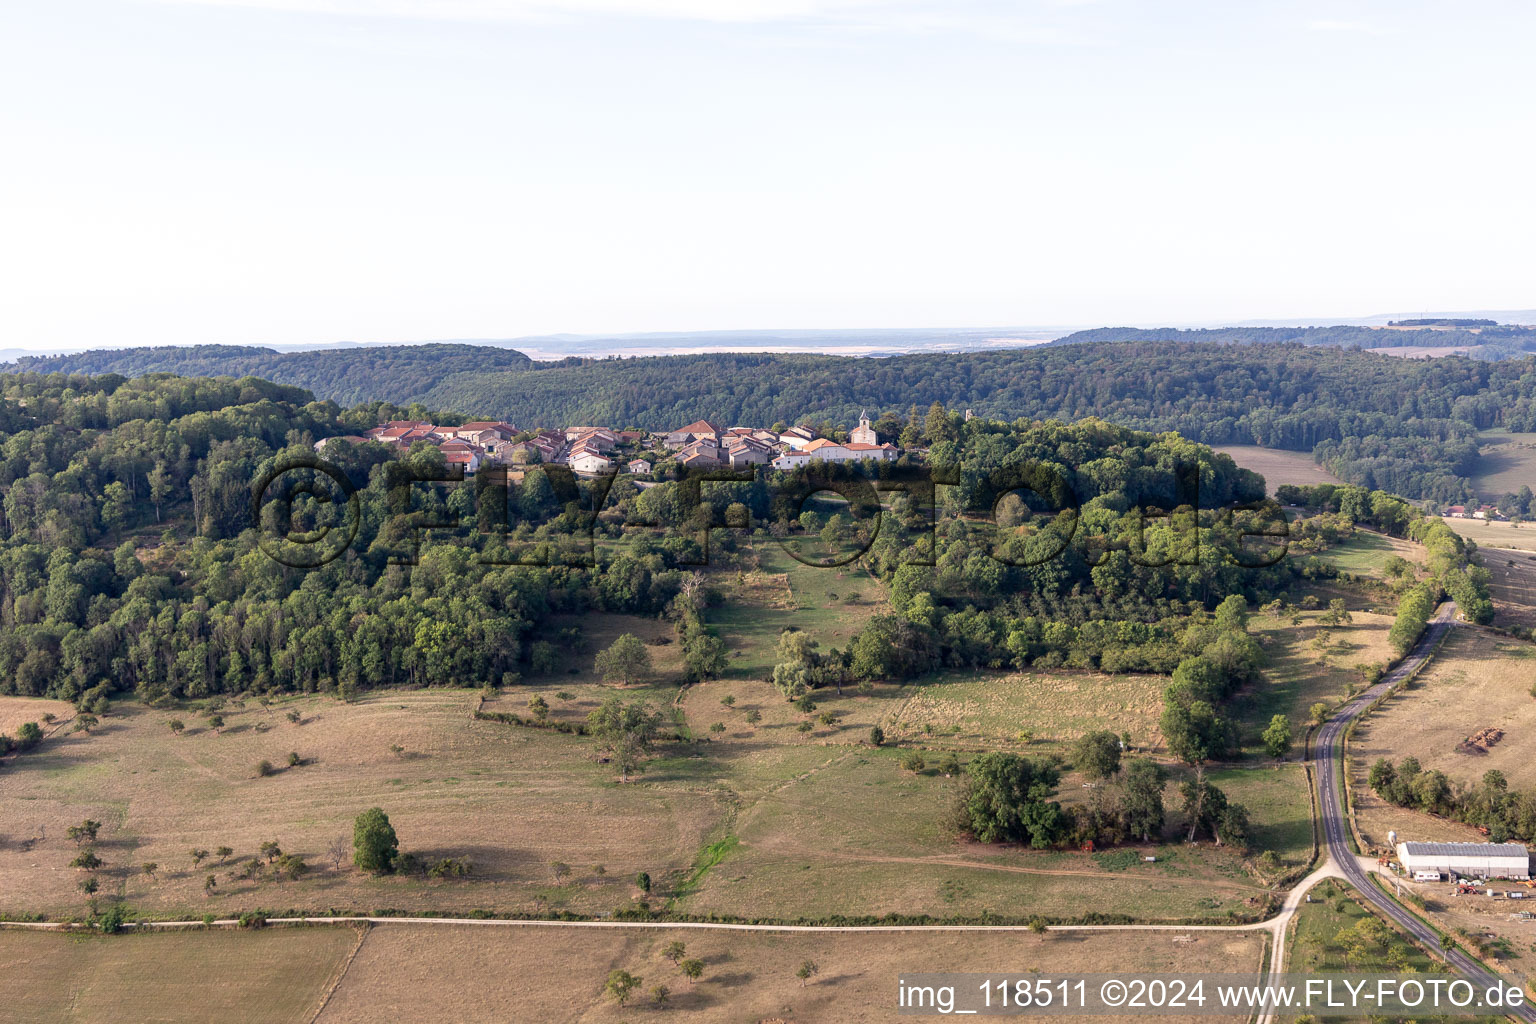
x: 555, y: 976
x: 1478, y: 680
x: 762, y: 820
x: 1279, y: 467
x: 276, y: 976
x: 17, y: 711
x: 982, y: 709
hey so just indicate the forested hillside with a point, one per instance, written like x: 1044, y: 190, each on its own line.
x: 390, y: 373
x: 1490, y: 341
x: 1406, y: 426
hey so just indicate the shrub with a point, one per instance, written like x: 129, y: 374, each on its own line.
x: 265, y: 768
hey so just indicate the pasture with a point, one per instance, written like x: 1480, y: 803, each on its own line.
x: 272, y: 976
x: 1366, y: 553
x: 760, y: 820
x: 1279, y: 467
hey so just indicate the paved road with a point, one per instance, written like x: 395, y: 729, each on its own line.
x: 1330, y: 746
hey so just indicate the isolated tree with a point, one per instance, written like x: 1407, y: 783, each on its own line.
x: 198, y: 856
x: 177, y: 725
x: 270, y: 850
x: 294, y: 716
x: 1141, y: 803
x: 625, y: 661
x: 625, y: 731
x: 693, y: 969
x: 1097, y: 755
x: 337, y: 852
x: 223, y: 853
x: 876, y: 736
x: 1318, y: 713
x: 149, y: 868
x: 621, y: 985
x: 675, y: 951
x: 89, y: 885
x: 85, y: 832
x: 1038, y: 926
x: 560, y: 869
x: 1277, y: 737
x: 539, y: 706
x: 374, y: 844
x: 294, y: 760
x: 209, y: 884
x: 216, y: 723
x: 86, y: 860
x: 643, y: 881
x: 808, y: 970
x: 660, y: 994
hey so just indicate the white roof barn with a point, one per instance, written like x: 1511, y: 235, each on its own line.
x: 1481, y: 860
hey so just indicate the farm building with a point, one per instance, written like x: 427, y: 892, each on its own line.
x: 1479, y: 860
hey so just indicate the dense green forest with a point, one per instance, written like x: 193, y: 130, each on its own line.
x: 391, y: 373
x: 1383, y: 423
x: 129, y: 558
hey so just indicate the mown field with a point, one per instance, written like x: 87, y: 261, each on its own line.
x: 276, y: 976
x: 1521, y: 536
x: 1506, y: 462
x: 1279, y: 467
x: 1512, y: 584
x: 470, y: 974
x: 493, y: 975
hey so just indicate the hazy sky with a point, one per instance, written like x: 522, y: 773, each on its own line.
x: 279, y: 171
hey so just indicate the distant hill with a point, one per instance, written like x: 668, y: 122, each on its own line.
x: 349, y: 376
x: 1486, y: 342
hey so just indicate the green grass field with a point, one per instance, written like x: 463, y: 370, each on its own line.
x: 1366, y: 553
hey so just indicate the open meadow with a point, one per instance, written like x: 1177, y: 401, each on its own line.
x: 762, y: 820
x: 273, y: 976
x: 1278, y: 466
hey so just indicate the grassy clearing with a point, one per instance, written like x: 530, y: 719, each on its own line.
x: 1279, y: 467
x: 536, y: 974
x: 1366, y: 553
x: 237, y: 977
x: 831, y: 604
x: 971, y: 709
x: 1478, y: 680
x: 1309, y: 663
x: 596, y: 631
x: 1506, y: 462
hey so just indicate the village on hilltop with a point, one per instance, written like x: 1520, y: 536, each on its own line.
x: 595, y: 451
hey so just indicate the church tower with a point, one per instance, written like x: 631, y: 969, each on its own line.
x: 865, y: 434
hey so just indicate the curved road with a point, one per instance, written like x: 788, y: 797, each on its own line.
x: 1329, y: 757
